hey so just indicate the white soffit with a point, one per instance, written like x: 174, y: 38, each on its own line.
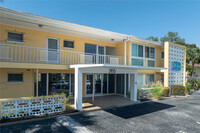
x: 116, y: 66
x: 31, y: 21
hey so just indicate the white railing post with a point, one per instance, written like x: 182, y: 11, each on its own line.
x: 30, y: 55
x: 23, y: 55
x: 11, y: 53
x: 19, y: 54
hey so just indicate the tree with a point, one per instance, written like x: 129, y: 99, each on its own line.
x: 193, y: 55
x: 173, y: 37
x: 152, y: 38
x: 189, y: 69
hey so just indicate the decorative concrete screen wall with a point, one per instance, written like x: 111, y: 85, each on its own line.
x: 18, y: 107
x: 175, y: 58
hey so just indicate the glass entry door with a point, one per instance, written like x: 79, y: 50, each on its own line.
x: 101, y: 55
x: 53, y: 51
x: 98, y: 86
x: 89, y: 84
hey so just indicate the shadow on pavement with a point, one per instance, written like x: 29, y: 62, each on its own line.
x: 43, y: 126
x: 138, y: 109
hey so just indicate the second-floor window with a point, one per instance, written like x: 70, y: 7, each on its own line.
x: 68, y: 44
x: 15, y: 37
x: 162, y: 55
x: 142, y: 55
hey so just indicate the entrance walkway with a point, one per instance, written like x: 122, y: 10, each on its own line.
x: 104, y: 102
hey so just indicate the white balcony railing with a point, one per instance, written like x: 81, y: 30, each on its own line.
x: 25, y: 54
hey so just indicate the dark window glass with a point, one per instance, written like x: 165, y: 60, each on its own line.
x: 90, y: 48
x: 152, y: 53
x: 68, y: 44
x: 149, y: 78
x: 16, y: 37
x: 140, y: 51
x: 15, y: 77
x: 162, y: 55
x: 147, y: 52
x: 105, y: 83
x: 151, y: 63
x: 111, y: 84
x: 120, y: 83
x: 137, y: 62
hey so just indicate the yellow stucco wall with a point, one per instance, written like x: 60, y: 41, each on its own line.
x: 35, y: 38
x: 13, y: 90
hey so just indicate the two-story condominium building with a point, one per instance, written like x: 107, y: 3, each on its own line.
x: 40, y: 56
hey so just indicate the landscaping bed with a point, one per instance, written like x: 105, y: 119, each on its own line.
x: 6, y: 120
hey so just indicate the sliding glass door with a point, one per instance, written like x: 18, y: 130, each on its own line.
x: 94, y: 54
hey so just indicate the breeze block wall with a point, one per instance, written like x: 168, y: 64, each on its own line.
x: 175, y: 61
x: 31, y: 106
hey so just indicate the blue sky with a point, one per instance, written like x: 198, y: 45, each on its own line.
x: 142, y: 18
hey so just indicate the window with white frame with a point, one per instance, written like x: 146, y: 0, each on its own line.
x: 15, y: 77
x: 15, y: 37
x: 149, y: 78
x: 68, y: 44
x: 140, y: 53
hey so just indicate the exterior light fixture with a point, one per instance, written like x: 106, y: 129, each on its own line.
x: 40, y: 25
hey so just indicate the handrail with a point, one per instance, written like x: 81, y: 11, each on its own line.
x: 17, y: 53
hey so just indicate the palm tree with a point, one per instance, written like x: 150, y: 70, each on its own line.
x: 193, y: 55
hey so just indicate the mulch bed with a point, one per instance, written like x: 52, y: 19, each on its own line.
x: 37, y: 116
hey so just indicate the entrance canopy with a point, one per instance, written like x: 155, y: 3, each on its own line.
x: 108, y: 68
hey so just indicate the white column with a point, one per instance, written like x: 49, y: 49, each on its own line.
x: 78, y: 89
x: 135, y: 87
x: 124, y: 52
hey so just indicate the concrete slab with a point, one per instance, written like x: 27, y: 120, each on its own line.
x: 103, y: 102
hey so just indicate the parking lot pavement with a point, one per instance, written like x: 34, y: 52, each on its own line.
x: 166, y: 116
x: 174, y: 115
x: 38, y: 126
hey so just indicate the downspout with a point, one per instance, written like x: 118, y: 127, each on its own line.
x: 125, y: 52
x: 125, y: 63
x: 125, y: 47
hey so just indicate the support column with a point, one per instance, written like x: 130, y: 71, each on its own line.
x: 124, y: 52
x: 78, y: 89
x: 93, y: 88
x: 133, y: 85
x: 37, y: 76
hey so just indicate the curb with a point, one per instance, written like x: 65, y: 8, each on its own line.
x: 36, y: 119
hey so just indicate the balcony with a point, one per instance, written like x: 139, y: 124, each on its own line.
x: 25, y: 54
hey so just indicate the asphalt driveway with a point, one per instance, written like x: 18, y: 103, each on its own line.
x: 174, y: 115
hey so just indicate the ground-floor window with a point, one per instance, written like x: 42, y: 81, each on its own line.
x: 143, y: 80
x: 149, y: 78
x: 103, y: 84
x: 49, y: 83
x: 61, y: 82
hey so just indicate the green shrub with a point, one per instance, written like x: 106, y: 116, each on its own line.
x: 157, y: 93
x: 193, y: 82
x: 166, y: 91
x: 188, y: 88
x: 144, y: 94
x: 178, y: 90
x: 198, y: 84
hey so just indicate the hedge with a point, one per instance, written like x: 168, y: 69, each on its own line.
x: 166, y: 91
x: 178, y: 90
